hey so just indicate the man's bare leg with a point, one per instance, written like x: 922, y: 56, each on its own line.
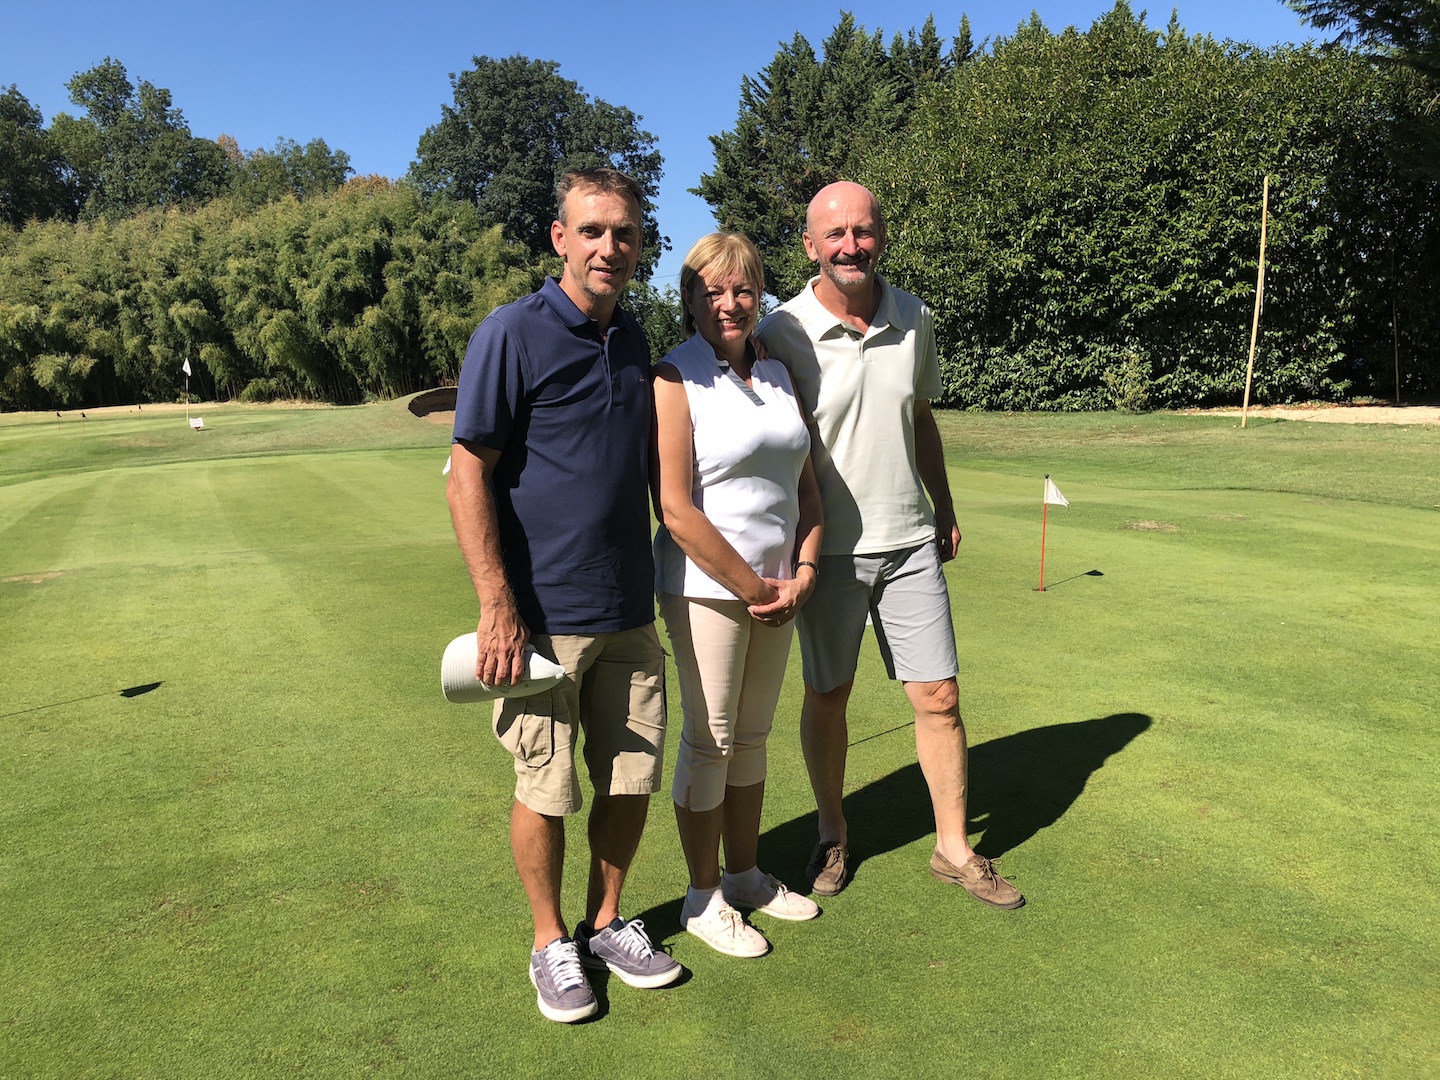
x: 824, y: 738
x: 537, y: 842
x: 616, y: 822
x: 940, y: 746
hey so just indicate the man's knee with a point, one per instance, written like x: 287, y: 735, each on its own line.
x: 940, y: 700
x: 828, y: 706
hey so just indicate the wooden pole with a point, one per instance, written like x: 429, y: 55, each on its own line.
x: 1259, y: 300
x: 1395, y: 330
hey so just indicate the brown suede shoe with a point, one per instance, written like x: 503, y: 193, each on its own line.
x: 828, y: 870
x: 979, y: 879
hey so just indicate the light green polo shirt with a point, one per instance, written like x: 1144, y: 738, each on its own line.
x: 860, y: 391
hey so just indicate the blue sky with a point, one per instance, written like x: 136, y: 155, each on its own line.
x: 369, y: 78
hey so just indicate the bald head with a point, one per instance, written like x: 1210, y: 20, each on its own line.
x: 843, y: 194
x: 845, y: 237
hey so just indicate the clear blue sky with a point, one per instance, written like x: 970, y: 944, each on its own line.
x: 369, y: 77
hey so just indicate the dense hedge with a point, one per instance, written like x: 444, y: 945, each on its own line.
x: 1082, y: 210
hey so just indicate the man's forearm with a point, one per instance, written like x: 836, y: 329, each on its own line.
x: 477, y: 531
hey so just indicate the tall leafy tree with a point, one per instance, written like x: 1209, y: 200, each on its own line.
x: 516, y: 124
x: 263, y: 176
x: 1403, y: 33
x: 808, y: 119
x: 30, y: 184
x: 132, y: 149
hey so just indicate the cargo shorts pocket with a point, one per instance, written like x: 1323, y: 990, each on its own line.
x: 526, y: 727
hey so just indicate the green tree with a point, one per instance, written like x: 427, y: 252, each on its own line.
x: 30, y: 184
x: 1081, y: 210
x: 806, y: 120
x: 263, y: 176
x: 1403, y: 33
x: 658, y: 312
x: 515, y: 126
x: 132, y: 149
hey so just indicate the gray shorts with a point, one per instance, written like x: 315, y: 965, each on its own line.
x: 905, y: 596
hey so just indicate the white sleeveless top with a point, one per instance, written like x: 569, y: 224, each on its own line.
x: 749, y: 448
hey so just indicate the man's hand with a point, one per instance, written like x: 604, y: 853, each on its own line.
x: 947, y: 535
x: 500, y: 639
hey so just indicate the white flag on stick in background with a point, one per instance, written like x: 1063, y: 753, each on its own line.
x: 1052, y: 494
x: 185, y: 367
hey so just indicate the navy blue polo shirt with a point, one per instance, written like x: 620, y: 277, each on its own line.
x: 570, y: 414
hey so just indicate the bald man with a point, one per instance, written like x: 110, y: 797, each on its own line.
x: 862, y: 356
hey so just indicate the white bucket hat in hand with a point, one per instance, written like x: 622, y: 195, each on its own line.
x: 459, y: 684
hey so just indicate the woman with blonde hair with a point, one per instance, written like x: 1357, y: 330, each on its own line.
x: 735, y: 558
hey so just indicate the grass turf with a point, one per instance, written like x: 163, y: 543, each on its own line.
x: 1211, y: 767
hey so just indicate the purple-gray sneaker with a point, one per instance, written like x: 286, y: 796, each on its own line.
x: 625, y: 949
x: 561, y: 990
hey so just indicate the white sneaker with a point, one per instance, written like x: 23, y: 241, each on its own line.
x: 724, y: 930
x: 770, y: 897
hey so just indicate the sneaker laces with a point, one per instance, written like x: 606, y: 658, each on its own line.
x: 564, y: 967
x: 730, y: 920
x: 633, y: 940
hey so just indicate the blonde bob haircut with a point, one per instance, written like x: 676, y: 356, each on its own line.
x: 715, y: 257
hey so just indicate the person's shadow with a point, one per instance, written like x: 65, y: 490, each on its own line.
x: 1019, y: 784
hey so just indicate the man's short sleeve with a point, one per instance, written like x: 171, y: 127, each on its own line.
x: 492, y: 386
x: 927, y: 366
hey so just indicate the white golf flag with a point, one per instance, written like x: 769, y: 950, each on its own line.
x: 1052, y: 494
x: 185, y: 367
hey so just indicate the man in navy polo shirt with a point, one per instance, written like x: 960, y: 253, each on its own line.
x: 549, y: 494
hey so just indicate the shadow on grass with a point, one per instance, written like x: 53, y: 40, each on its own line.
x: 1019, y: 784
x: 1074, y: 577
x: 128, y: 692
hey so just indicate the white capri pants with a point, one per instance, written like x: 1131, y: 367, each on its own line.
x: 731, y: 669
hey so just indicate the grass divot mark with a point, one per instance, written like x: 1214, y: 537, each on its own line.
x: 1152, y: 526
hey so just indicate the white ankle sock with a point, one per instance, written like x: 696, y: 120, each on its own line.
x: 702, y: 900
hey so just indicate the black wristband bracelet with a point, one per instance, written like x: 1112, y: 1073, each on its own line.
x: 811, y: 565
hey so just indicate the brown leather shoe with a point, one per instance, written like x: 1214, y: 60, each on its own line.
x: 979, y: 879
x: 828, y: 870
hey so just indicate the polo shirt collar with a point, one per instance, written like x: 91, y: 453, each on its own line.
x: 562, y: 305
x: 569, y: 314
x: 822, y: 322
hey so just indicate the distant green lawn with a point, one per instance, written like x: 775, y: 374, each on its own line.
x: 1211, y: 766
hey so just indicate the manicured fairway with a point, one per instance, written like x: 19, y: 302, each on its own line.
x: 1207, y: 754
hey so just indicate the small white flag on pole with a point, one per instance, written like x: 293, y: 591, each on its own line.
x: 185, y: 367
x: 1052, y: 497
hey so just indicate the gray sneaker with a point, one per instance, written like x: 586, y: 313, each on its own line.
x: 625, y: 949
x: 561, y: 990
